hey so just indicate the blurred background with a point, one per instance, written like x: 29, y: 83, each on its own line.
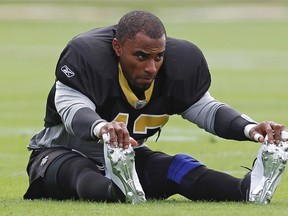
x: 245, y: 44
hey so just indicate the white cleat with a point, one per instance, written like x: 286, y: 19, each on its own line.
x: 120, y: 167
x: 267, y: 172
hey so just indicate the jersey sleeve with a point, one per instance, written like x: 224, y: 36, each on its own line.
x: 86, y: 69
x: 88, y: 63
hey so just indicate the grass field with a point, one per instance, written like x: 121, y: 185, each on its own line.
x: 245, y: 45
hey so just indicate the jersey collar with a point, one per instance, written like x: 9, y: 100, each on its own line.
x: 130, y: 96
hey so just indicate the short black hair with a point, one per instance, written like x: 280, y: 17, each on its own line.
x: 139, y: 21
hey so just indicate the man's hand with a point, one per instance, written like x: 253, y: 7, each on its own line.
x: 119, y: 134
x: 269, y: 128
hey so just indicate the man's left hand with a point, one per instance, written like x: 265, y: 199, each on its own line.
x: 270, y: 129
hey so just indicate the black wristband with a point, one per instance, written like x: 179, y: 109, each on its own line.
x: 230, y: 124
x: 82, y: 123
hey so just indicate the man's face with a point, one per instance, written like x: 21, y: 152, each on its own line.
x: 140, y: 59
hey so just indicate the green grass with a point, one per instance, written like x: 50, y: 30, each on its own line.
x: 248, y: 62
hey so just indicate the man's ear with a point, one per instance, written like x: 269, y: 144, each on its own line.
x: 116, y: 46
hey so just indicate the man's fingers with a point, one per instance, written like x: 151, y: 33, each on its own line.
x: 106, y: 138
x: 272, y: 131
x: 133, y: 142
x: 277, y: 128
x: 284, y: 135
x: 119, y: 134
x: 258, y: 137
x: 123, y: 137
x: 113, y: 136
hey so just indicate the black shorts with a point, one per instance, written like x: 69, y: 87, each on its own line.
x: 37, y: 169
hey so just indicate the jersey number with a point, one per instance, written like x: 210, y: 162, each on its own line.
x: 144, y: 122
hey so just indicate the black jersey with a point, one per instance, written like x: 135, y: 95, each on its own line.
x: 89, y: 65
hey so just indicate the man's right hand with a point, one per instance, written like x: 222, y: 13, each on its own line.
x: 119, y: 134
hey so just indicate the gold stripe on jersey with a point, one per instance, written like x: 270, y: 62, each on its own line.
x: 130, y: 96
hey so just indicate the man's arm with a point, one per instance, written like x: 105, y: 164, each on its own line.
x: 80, y: 118
x: 218, y: 118
x: 77, y: 111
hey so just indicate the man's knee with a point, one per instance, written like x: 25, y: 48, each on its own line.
x: 180, y: 166
x: 51, y: 186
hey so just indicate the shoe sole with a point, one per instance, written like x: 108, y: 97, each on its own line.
x: 120, y: 164
x: 274, y: 164
x: 123, y: 169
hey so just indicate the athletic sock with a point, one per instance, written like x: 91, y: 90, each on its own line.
x: 245, y: 186
x: 213, y: 185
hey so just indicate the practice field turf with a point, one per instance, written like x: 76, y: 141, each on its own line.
x: 247, y: 51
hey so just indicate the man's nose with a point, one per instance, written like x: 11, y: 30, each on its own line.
x: 151, y: 66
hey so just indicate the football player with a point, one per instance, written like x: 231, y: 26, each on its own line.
x: 118, y: 85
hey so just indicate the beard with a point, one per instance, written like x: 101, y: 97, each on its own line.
x: 139, y: 91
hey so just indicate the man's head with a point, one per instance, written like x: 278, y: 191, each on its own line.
x: 140, y: 45
x: 139, y: 21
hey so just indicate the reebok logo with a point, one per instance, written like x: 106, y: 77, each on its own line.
x: 44, y: 160
x: 67, y: 71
